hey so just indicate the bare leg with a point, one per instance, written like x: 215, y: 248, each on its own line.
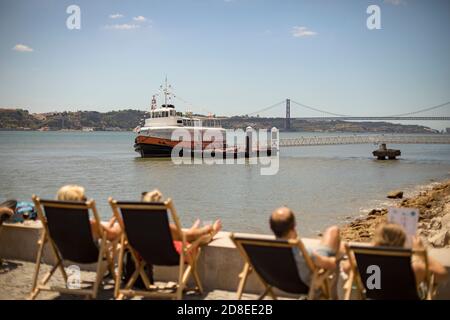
x: 195, y: 233
x: 332, y: 239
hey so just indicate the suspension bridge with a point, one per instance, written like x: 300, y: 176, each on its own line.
x: 326, y: 115
x: 381, y: 140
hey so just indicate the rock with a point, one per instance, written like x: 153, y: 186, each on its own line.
x: 422, y: 225
x: 424, y: 233
x: 375, y: 212
x: 435, y: 223
x: 397, y: 194
x: 364, y: 234
x: 445, y: 221
x: 440, y: 239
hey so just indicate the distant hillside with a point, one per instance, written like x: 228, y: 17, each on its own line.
x: 18, y: 119
x: 114, y: 120
x: 325, y: 125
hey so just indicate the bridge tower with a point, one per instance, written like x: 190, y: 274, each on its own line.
x: 287, y: 121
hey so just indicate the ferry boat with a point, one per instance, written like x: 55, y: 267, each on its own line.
x: 154, y: 139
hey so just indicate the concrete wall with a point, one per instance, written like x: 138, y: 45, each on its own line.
x: 219, y: 265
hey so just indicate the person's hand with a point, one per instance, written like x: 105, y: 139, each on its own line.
x: 417, y: 243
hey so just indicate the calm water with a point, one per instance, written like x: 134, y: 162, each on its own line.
x: 324, y: 185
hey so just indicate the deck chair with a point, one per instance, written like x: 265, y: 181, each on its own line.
x: 148, y: 238
x: 397, y: 279
x: 274, y: 264
x: 67, y: 229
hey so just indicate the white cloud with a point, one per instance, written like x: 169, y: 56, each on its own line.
x: 140, y: 19
x: 395, y: 2
x: 22, y: 48
x: 300, y: 32
x: 116, y: 16
x: 124, y: 26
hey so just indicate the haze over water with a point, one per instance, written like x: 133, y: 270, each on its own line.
x: 323, y: 185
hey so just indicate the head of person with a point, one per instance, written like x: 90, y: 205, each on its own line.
x: 389, y: 235
x: 71, y: 193
x: 282, y: 223
x: 152, y: 196
x: 10, y: 204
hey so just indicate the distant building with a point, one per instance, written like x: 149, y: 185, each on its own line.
x: 87, y: 129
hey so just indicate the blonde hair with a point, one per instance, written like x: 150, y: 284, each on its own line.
x: 71, y: 192
x: 390, y: 235
x: 152, y: 196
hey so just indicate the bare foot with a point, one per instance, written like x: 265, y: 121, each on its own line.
x: 210, y: 232
x: 196, y: 224
x: 217, y: 226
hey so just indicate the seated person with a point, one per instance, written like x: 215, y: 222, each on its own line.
x: 283, y: 225
x: 192, y: 234
x: 393, y: 235
x: 76, y: 193
x: 7, y: 209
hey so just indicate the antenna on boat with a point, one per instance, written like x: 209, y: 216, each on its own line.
x: 166, y: 89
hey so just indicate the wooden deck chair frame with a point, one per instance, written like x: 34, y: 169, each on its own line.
x: 104, y: 262
x: 319, y: 278
x: 185, y: 272
x: 355, y: 277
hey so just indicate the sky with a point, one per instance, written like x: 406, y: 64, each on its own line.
x: 227, y: 57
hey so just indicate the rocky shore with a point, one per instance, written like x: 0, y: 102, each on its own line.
x: 434, y: 220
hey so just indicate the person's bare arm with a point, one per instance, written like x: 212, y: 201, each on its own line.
x: 439, y: 271
x: 112, y: 232
x: 434, y: 266
x: 328, y: 263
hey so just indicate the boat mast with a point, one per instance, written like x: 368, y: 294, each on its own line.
x: 166, y: 91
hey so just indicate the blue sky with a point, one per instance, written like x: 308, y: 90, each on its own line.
x: 226, y: 57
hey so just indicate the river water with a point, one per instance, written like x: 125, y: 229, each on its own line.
x: 323, y: 185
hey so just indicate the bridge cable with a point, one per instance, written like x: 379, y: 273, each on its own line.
x: 392, y: 116
x: 266, y: 109
x: 422, y: 110
x: 319, y: 110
